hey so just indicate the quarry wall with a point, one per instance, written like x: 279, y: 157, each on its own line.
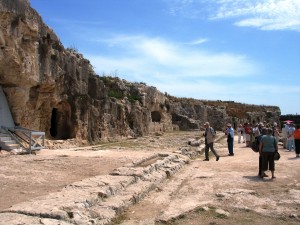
x: 55, y: 89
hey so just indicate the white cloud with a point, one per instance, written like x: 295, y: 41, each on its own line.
x: 262, y: 14
x: 185, y: 71
x: 198, y: 41
x: 145, y: 57
x: 156, y: 49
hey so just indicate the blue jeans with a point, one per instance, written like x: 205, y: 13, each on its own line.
x: 230, y: 146
x: 291, y: 144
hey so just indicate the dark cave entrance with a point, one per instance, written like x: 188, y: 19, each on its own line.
x: 156, y: 117
x: 53, y: 129
x: 61, y: 126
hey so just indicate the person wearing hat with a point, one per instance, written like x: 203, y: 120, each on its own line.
x: 209, y: 135
x: 230, y: 137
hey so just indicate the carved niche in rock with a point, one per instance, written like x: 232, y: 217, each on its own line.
x: 61, y: 124
x: 156, y: 117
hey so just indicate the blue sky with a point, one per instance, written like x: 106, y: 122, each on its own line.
x: 246, y: 51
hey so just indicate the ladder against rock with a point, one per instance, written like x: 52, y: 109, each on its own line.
x: 7, y: 143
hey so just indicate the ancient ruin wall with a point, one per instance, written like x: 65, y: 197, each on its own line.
x: 54, y: 89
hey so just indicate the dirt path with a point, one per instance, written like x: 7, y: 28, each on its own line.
x: 23, y: 177
x: 223, y: 192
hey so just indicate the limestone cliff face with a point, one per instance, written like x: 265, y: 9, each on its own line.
x: 188, y: 113
x: 54, y: 89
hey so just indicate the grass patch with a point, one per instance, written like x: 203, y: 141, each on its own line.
x: 221, y: 216
x: 199, y: 210
x: 213, y: 223
x: 212, y: 207
x: 182, y: 216
x: 119, y: 219
x: 114, y: 93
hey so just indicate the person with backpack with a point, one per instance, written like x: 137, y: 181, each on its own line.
x: 209, y: 135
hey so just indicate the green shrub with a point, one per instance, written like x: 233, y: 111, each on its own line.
x: 115, y: 94
x: 133, y: 98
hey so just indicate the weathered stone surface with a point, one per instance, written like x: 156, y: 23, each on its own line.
x: 98, y: 200
x: 55, y: 89
x: 18, y: 219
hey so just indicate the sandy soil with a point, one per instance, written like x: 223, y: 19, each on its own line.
x: 23, y: 177
x: 223, y: 192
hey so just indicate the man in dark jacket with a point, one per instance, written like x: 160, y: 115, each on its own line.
x: 209, y: 141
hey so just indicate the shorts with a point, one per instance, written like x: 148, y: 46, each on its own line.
x: 267, y: 161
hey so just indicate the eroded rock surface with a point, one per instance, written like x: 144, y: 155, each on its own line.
x: 99, y: 199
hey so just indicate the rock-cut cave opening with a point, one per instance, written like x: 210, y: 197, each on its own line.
x: 61, y: 125
x: 156, y: 117
x: 53, y: 129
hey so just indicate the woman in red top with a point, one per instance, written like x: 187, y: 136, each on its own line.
x: 297, y: 140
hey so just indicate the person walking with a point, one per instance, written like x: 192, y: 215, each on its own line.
x: 290, y: 135
x: 284, y: 131
x: 297, y: 140
x: 276, y: 132
x: 230, y: 137
x: 247, y: 132
x: 244, y: 134
x: 256, y: 131
x: 240, y: 131
x: 209, y: 135
x: 258, y: 140
x: 267, y: 148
